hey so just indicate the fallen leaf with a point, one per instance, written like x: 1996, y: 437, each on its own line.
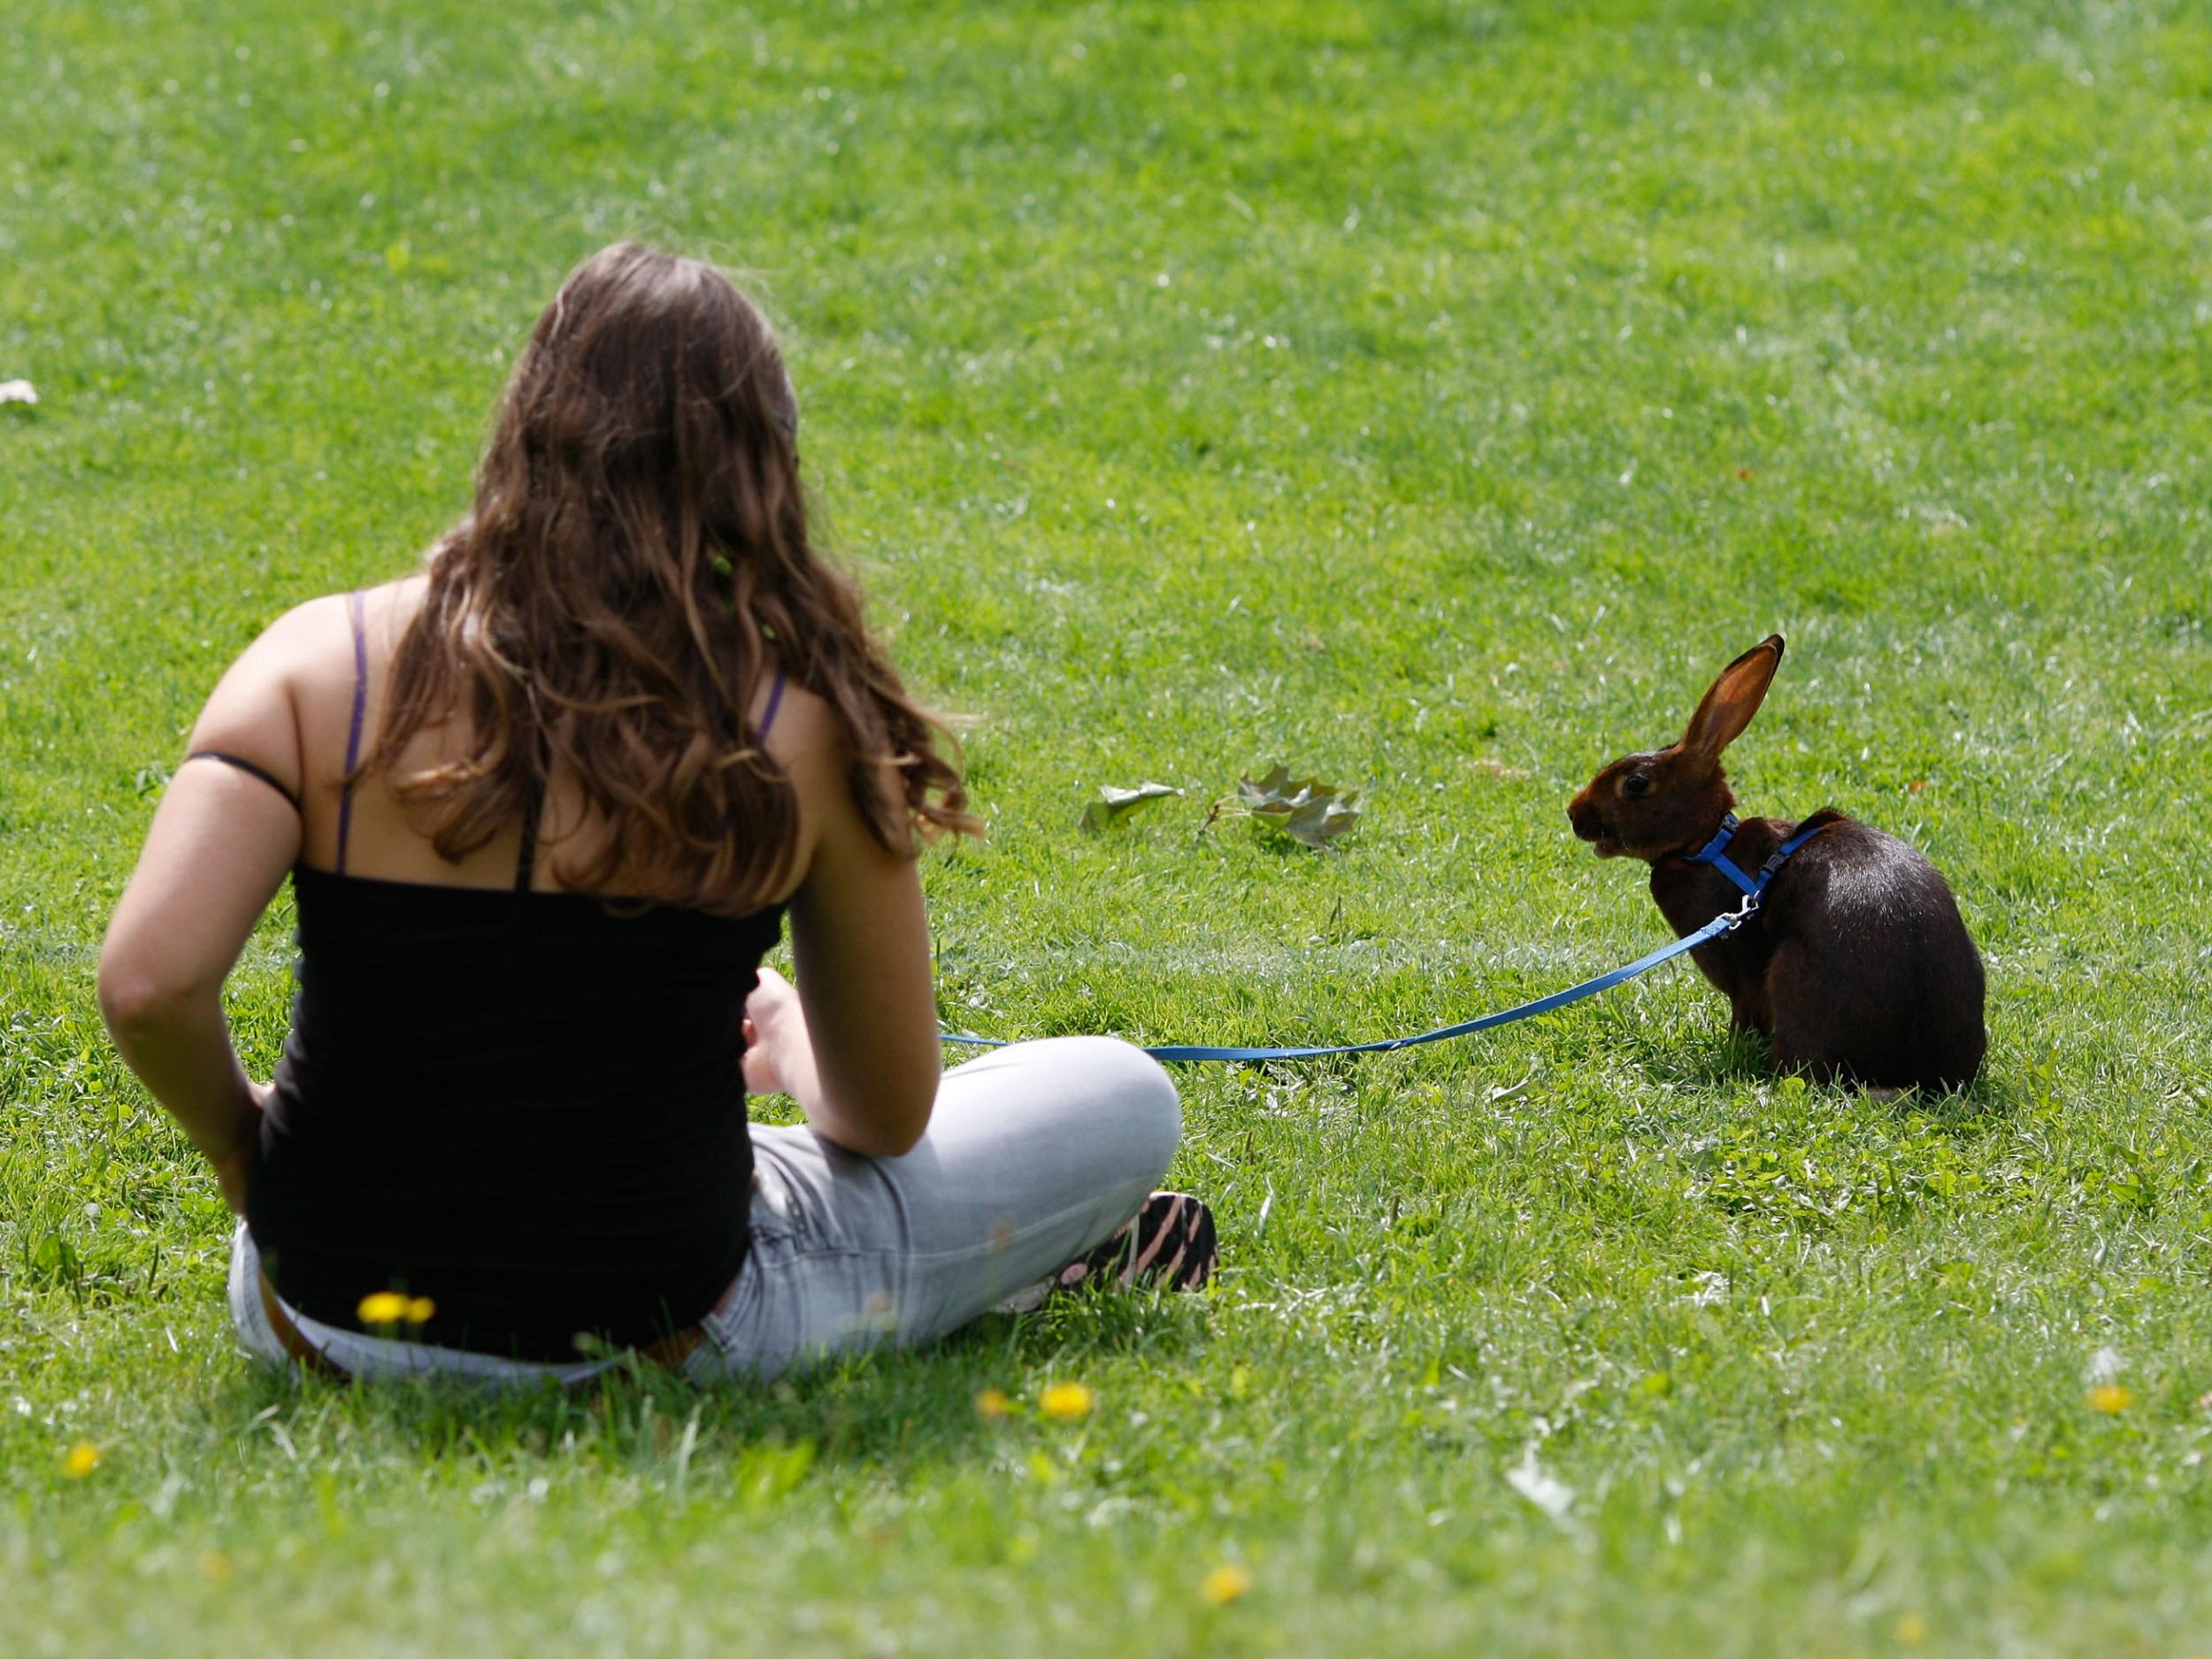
x: 1113, y: 804
x: 1308, y: 811
x: 1540, y: 1486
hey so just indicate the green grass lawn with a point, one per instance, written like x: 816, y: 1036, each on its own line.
x: 1430, y: 395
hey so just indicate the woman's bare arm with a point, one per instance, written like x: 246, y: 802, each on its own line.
x: 855, y: 1044
x: 220, y: 845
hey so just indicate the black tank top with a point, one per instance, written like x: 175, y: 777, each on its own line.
x: 525, y: 1107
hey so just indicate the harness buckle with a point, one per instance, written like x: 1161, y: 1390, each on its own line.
x: 1743, y: 912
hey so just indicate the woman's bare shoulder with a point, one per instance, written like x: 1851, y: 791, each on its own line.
x: 811, y: 741
x: 805, y: 724
x: 309, y: 628
x: 311, y: 645
x: 276, y: 700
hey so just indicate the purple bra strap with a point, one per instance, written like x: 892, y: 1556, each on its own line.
x: 353, y: 732
x: 775, y: 702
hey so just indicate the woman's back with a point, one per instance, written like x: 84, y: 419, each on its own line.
x: 528, y: 1108
x: 337, y: 683
x: 519, y: 1106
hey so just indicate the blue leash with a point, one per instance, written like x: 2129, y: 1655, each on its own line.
x: 1715, y: 852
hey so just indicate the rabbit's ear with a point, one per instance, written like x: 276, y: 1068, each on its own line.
x: 1735, y: 697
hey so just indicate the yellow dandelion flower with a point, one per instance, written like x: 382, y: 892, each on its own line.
x: 992, y: 1403
x: 1066, y: 1401
x: 382, y: 1307
x: 2110, y: 1398
x: 421, y: 1310
x: 215, y: 1565
x: 1225, y: 1584
x: 80, y: 1460
x: 1911, y: 1630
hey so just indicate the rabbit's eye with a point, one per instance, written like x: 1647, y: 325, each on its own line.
x: 1636, y: 783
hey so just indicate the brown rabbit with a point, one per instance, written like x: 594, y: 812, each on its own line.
x: 1855, y: 965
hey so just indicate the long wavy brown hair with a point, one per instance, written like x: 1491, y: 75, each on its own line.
x: 636, y: 567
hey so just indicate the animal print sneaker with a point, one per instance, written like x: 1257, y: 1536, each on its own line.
x: 1171, y: 1241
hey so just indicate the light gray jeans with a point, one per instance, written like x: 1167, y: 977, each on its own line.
x: 1034, y: 1154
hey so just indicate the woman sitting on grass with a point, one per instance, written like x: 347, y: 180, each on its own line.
x: 544, y: 806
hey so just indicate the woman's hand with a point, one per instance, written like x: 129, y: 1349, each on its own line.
x: 232, y: 1163
x: 778, y: 1052
x: 779, y: 1059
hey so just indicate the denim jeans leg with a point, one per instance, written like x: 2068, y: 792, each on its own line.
x: 1035, y: 1154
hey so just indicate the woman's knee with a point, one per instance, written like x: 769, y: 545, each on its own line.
x: 1127, y: 1089
x: 1097, y: 1098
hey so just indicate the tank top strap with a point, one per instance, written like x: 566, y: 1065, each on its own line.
x: 775, y: 702
x: 355, y: 618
